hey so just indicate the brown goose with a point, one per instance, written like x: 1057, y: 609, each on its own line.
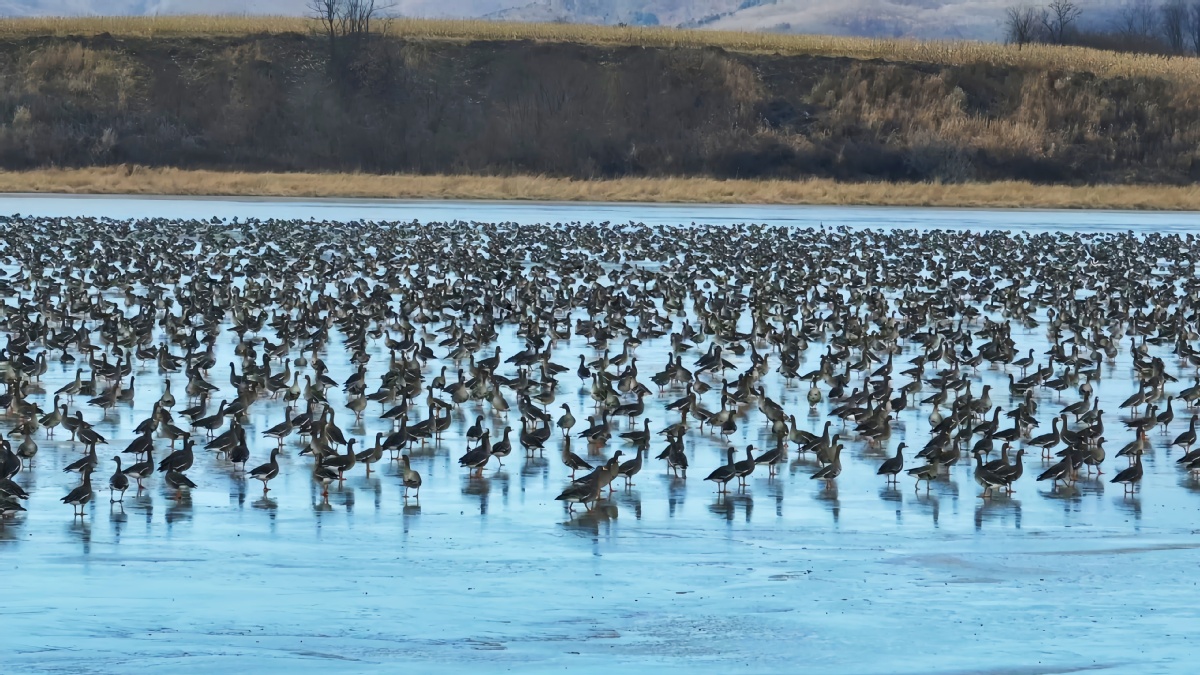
x: 725, y: 473
x: 1131, y: 476
x: 266, y: 472
x: 82, y: 494
x: 118, y: 482
x: 412, y: 479
x: 892, y: 466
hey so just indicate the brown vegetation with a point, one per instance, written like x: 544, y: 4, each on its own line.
x: 587, y: 102
x: 1006, y: 194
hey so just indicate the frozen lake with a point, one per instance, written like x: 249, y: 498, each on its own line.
x: 493, y: 574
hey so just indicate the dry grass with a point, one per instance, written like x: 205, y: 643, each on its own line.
x: 1009, y: 194
x: 1048, y: 57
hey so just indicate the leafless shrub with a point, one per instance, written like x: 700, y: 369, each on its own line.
x: 1022, y: 25
x: 1058, y: 20
x: 1174, y: 24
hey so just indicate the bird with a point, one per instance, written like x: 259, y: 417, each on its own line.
x: 179, y: 481
x: 724, y: 473
x: 893, y: 465
x: 927, y: 472
x: 267, y: 472
x: 372, y: 454
x: 118, y: 482
x: 340, y: 463
x: 1130, y: 477
x: 180, y: 460
x: 745, y: 467
x: 478, y: 457
x: 572, y: 461
x: 411, y: 479
x: 631, y: 468
x: 81, y: 494
x: 585, y: 491
x: 716, y: 316
x: 832, y: 470
x: 140, y: 471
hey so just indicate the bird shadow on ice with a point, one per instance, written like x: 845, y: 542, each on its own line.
x: 180, y: 510
x: 892, y: 497
x: 534, y: 467
x: 81, y: 529
x: 631, y: 499
x: 1130, y: 505
x: 998, y: 509
x: 827, y: 495
x: 594, y: 521
x: 10, y: 528
x: 676, y: 493
x: 726, y: 506
x: 930, y: 504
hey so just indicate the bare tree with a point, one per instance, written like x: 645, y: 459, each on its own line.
x: 1022, y: 24
x: 1137, y: 21
x: 1174, y: 24
x: 345, y: 22
x: 1059, y: 18
x: 1194, y: 25
x: 358, y: 16
x: 327, y: 13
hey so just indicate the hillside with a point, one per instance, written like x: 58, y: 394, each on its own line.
x: 446, y: 98
x: 939, y: 19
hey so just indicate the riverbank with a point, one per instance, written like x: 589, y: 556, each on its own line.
x: 1008, y: 194
x: 584, y: 104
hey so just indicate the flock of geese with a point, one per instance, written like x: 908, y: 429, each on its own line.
x: 756, y: 328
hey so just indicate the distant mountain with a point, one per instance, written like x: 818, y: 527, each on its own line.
x: 424, y: 8
x: 930, y: 19
x: 967, y: 19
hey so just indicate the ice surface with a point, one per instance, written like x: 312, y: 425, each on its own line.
x: 491, y: 574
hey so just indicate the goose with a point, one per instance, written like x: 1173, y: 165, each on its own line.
x: 283, y: 429
x: 372, y: 454
x: 892, y: 466
x: 476, y: 459
x: 180, y: 460
x: 1061, y: 471
x: 814, y: 395
x: 926, y: 473
x: 773, y: 458
x: 239, y: 453
x: 725, y: 473
x: 631, y: 468
x: 1187, y: 438
x: 28, y: 449
x: 503, y: 447
x: 1131, y: 476
x: 745, y: 467
x: 567, y: 421
x: 324, y: 476
x: 179, y: 481
x: 267, y: 472
x: 140, y: 471
x: 341, y: 463
x: 118, y: 482
x: 1165, y: 418
x: 582, y: 493
x: 572, y: 461
x: 475, y: 431
x: 830, y: 471
x: 989, y: 480
x: 87, y: 463
x: 80, y: 495
x: 411, y: 479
